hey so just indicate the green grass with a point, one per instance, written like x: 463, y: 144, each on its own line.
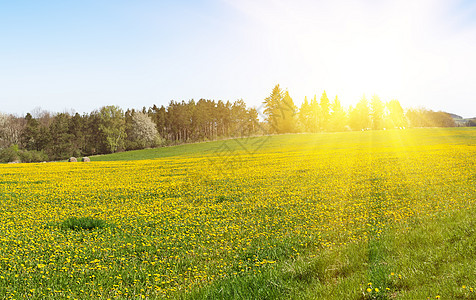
x: 180, y: 150
x: 433, y: 257
x: 166, y: 228
x: 341, y: 141
x: 82, y: 223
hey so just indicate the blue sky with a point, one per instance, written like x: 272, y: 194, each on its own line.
x: 81, y: 55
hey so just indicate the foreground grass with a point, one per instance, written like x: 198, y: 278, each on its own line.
x: 430, y: 259
x: 302, y: 216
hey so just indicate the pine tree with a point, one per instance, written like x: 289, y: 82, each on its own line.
x: 272, y: 111
x: 314, y: 115
x: 325, y: 112
x: 359, y: 117
x: 396, y: 116
x: 31, y: 133
x: 61, y: 145
x: 377, y: 112
x: 337, y: 120
x: 280, y: 111
x: 287, y: 122
x: 305, y: 116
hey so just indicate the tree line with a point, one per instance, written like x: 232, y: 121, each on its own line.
x: 42, y: 135
x: 324, y: 115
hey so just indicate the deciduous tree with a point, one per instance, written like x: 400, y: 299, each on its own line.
x: 112, y: 126
x: 144, y: 130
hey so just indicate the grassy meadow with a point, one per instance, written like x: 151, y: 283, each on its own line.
x: 355, y: 215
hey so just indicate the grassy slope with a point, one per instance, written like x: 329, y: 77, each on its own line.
x: 426, y: 259
x: 343, y: 141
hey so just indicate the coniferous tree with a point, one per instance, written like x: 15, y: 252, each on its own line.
x: 94, y: 140
x: 324, y: 112
x: 76, y: 129
x: 239, y: 118
x: 158, y: 116
x: 129, y: 142
x: 305, y: 116
x: 61, y: 142
x: 338, y: 118
x: 253, y: 121
x: 280, y: 111
x: 109, y: 129
x: 396, y: 115
x: 223, y: 118
x: 272, y: 109
x: 315, y: 115
x: 377, y: 112
x: 359, y: 117
x: 200, y: 120
x: 31, y: 133
x: 287, y: 122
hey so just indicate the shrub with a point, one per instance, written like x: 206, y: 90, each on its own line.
x: 12, y: 153
x: 32, y: 156
x: 9, y: 154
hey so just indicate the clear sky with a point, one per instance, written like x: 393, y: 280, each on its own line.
x: 81, y: 55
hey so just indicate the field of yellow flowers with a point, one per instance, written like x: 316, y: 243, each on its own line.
x: 175, y: 224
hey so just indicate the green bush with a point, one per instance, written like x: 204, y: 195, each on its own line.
x: 32, y: 156
x: 12, y: 154
x: 9, y: 154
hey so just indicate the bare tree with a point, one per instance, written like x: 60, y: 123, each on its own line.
x: 44, y: 117
x: 11, y: 129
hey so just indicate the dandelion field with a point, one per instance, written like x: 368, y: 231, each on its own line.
x: 357, y: 215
